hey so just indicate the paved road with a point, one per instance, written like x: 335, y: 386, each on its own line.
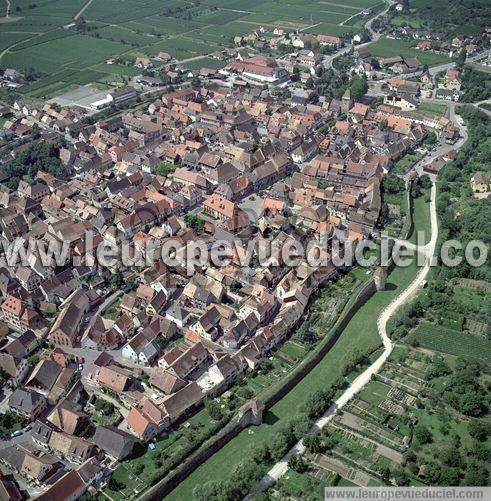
x: 328, y: 60
x: 107, y: 302
x: 433, y: 71
x: 82, y: 10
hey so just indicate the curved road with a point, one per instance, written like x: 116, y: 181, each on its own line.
x: 328, y: 60
x: 280, y: 468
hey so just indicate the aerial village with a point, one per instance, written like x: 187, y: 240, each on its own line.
x: 225, y: 159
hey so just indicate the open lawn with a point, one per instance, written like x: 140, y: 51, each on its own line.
x: 431, y: 109
x: 385, y: 47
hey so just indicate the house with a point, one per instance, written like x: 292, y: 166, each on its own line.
x: 27, y: 403
x: 140, y: 350
x: 180, y: 403
x: 304, y: 152
x: 75, y: 448
x: 35, y: 468
x: 178, y: 315
x: 164, y: 56
x: 190, y: 361
x: 69, y: 487
x: 329, y: 40
x: 147, y: 420
x: 9, y: 488
x: 14, y: 367
x: 143, y: 62
x: 165, y: 381
x: 404, y: 103
x: 69, y: 417
x: 223, y: 372
x: 114, y: 378
x: 446, y: 94
x: 65, y: 330
x: 44, y: 376
x: 114, y: 442
x: 19, y: 316
x: 480, y: 182
x: 452, y: 80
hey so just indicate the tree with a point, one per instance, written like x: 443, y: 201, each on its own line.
x: 358, y: 88
x: 422, y: 434
x: 314, y: 444
x: 425, y: 181
x: 211, y: 490
x: 393, y: 184
x: 298, y: 464
x: 476, y: 475
x: 478, y: 430
x: 195, y: 83
x: 195, y: 222
x: 460, y: 59
x: 164, y: 168
x: 401, y: 477
x: 260, y: 453
x: 278, y: 446
x: 214, y: 409
x: 40, y: 155
x: 431, y: 138
x: 114, y: 485
x: 116, y: 280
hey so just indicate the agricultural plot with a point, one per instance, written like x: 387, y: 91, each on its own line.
x: 435, y: 337
x: 43, y: 38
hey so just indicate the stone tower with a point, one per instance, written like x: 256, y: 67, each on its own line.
x: 380, y: 278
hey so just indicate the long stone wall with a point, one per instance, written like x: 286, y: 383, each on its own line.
x: 175, y: 477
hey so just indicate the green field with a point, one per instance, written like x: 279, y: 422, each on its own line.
x: 41, y: 37
x: 435, y: 337
x: 386, y: 47
x: 431, y: 109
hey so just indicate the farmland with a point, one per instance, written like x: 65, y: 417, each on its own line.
x: 44, y: 41
x: 401, y: 419
x: 450, y: 341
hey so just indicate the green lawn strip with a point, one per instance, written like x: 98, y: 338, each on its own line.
x: 116, y: 69
x: 421, y: 218
x: 405, y: 163
x: 360, y: 334
x: 206, y: 62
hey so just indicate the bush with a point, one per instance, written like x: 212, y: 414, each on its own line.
x: 422, y: 434
x: 478, y: 430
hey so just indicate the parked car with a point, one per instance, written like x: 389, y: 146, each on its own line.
x: 16, y: 434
